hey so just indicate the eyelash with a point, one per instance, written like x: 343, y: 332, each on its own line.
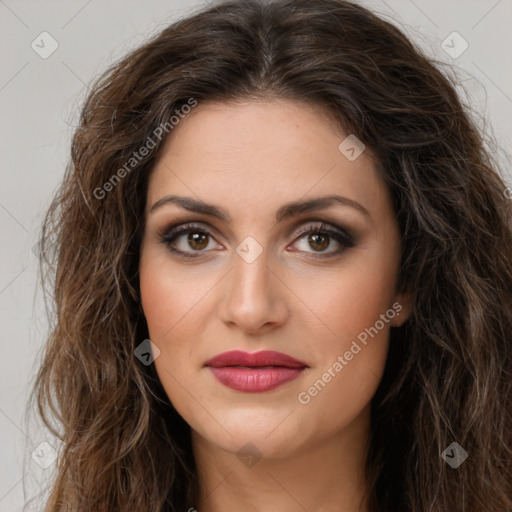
x: 169, y: 235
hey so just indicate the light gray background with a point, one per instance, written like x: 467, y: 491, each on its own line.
x: 39, y: 103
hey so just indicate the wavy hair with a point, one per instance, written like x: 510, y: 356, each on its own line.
x: 449, y: 370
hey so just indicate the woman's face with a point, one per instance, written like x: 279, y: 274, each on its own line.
x: 258, y: 282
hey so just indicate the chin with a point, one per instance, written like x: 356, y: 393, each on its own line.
x: 263, y: 432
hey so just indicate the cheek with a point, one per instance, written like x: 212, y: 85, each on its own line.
x: 348, y: 299
x: 170, y: 298
x: 160, y: 301
x: 175, y: 305
x: 168, y: 306
x: 350, y: 339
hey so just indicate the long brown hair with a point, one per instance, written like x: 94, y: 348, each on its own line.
x: 449, y: 370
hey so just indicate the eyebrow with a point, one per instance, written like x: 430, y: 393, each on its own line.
x: 286, y: 211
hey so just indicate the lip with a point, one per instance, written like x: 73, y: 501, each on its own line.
x: 256, y: 372
x: 256, y: 359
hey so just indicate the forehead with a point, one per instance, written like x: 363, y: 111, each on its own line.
x: 262, y: 153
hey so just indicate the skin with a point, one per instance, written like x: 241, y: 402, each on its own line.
x: 250, y: 158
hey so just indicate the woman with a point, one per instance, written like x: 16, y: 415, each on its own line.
x: 282, y: 277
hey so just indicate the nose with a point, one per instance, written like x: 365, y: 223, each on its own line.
x: 255, y: 297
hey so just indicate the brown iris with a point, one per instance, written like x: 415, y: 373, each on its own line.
x: 198, y: 241
x: 315, y: 240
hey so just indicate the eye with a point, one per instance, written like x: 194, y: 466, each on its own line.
x: 198, y: 240
x: 319, y: 238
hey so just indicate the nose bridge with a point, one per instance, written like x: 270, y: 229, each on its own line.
x: 253, y: 297
x: 250, y: 279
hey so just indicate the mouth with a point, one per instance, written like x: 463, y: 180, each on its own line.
x: 257, y: 372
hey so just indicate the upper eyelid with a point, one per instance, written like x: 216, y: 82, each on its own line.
x: 351, y: 226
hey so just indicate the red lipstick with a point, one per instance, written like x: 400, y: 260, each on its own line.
x: 256, y: 372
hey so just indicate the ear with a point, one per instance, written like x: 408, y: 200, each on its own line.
x: 403, y: 307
